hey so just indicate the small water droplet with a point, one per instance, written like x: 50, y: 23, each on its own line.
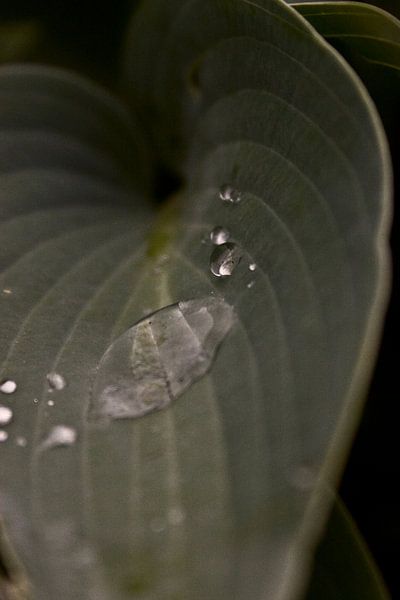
x: 159, y: 358
x: 228, y: 193
x: 8, y: 386
x: 3, y: 436
x: 304, y: 478
x: 252, y: 266
x: 6, y: 415
x: 219, y: 235
x: 60, y: 435
x: 176, y: 516
x: 250, y: 284
x: 50, y: 403
x: 7, y: 291
x: 157, y: 525
x: 224, y: 259
x: 36, y: 400
x: 56, y: 381
x: 21, y: 441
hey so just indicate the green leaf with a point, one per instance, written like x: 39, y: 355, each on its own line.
x: 343, y: 565
x: 222, y: 494
x: 369, y: 39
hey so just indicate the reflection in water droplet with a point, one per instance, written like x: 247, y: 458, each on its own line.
x: 219, y: 235
x: 56, y: 381
x: 8, y: 386
x: 159, y: 358
x: 21, y: 441
x: 3, y: 436
x: 252, y: 266
x: 60, y: 435
x: 224, y: 259
x: 228, y: 193
x: 6, y: 414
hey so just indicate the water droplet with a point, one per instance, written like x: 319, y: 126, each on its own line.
x: 176, y: 516
x: 160, y: 357
x: 304, y: 478
x: 252, y: 266
x: 250, y: 284
x: 56, y: 381
x: 7, y: 291
x: 21, y: 441
x: 3, y: 436
x: 36, y: 400
x: 157, y: 525
x: 224, y: 259
x: 50, y: 403
x: 8, y: 386
x: 60, y: 435
x: 228, y: 193
x: 6, y: 414
x: 219, y: 235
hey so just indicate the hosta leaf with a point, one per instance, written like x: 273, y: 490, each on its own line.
x: 343, y: 565
x: 369, y: 39
x: 222, y: 494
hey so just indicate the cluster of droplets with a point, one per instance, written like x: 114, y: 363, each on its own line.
x: 6, y: 414
x: 59, y: 435
x: 226, y: 255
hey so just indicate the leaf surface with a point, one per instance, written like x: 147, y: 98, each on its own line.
x: 222, y: 494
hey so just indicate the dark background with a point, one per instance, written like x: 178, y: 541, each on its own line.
x: 87, y: 35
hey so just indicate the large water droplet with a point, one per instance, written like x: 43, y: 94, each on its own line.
x: 56, y: 381
x: 228, y: 193
x: 159, y: 358
x: 219, y: 235
x: 60, y: 435
x: 3, y: 436
x: 8, y: 386
x: 224, y: 259
x: 6, y: 414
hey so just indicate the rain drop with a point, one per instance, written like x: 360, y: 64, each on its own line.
x: 252, y: 266
x: 3, y: 436
x: 219, y: 235
x: 60, y: 435
x: 160, y: 357
x: 8, y: 386
x: 6, y: 415
x: 228, y: 193
x: 224, y: 259
x: 56, y: 381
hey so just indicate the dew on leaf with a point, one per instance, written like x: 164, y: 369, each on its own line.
x: 224, y: 259
x: 60, y: 435
x: 228, y: 193
x: 56, y: 381
x: 3, y: 436
x: 160, y: 357
x: 219, y: 235
x: 8, y: 386
x: 6, y: 415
